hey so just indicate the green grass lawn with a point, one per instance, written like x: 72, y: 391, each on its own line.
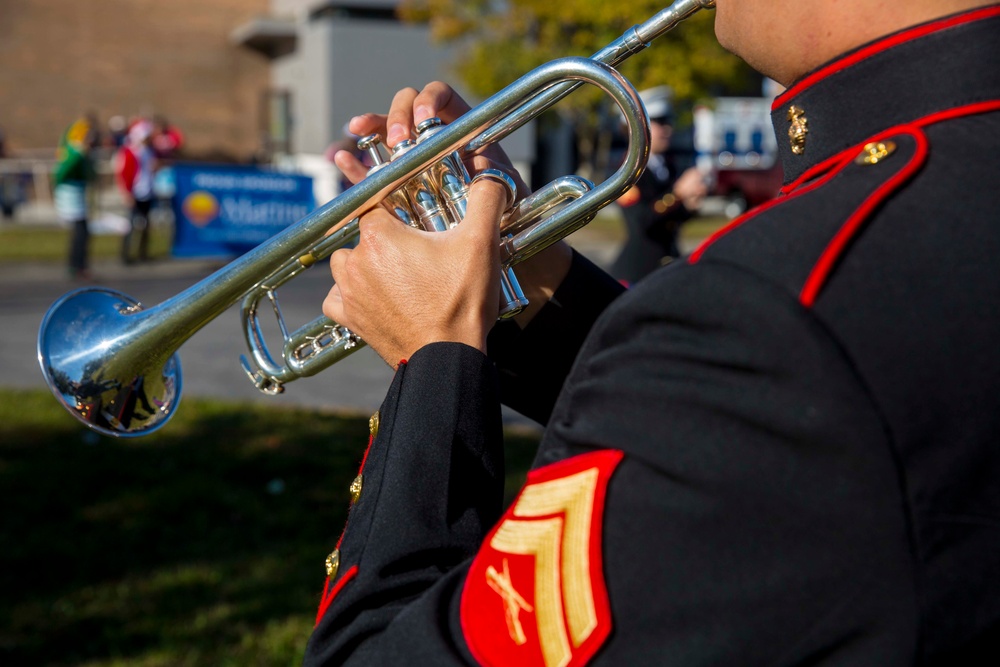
x: 24, y: 243
x: 51, y: 244
x: 202, y: 544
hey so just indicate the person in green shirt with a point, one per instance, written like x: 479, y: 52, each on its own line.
x: 73, y: 173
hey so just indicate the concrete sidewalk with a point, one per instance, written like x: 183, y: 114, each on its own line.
x: 210, y: 358
x: 600, y: 247
x: 28, y: 273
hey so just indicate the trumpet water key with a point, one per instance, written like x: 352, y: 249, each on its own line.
x: 112, y: 363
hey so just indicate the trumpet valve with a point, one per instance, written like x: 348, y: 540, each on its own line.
x: 426, y: 205
x: 427, y: 127
x: 372, y: 144
x: 433, y: 216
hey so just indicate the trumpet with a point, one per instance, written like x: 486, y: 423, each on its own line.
x: 113, y: 364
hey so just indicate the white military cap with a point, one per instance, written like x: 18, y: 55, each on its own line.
x: 658, y: 102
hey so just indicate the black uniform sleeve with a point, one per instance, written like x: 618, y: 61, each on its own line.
x: 432, y: 485
x: 533, y: 363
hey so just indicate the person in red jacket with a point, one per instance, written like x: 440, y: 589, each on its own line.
x: 167, y: 140
x: 136, y: 165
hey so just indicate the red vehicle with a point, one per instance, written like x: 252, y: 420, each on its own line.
x: 735, y: 142
x: 742, y: 189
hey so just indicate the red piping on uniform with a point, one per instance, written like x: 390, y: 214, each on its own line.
x: 878, y: 47
x: 364, y: 459
x: 958, y: 112
x: 937, y: 117
x: 340, y: 539
x: 700, y: 250
x: 354, y: 570
x: 361, y: 470
x: 821, y: 270
x: 814, y: 171
x: 328, y: 597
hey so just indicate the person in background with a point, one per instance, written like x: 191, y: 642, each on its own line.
x: 8, y: 184
x: 166, y: 140
x: 136, y: 164
x: 117, y: 132
x: 661, y: 200
x: 73, y: 175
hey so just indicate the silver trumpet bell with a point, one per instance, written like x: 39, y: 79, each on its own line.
x: 113, y: 364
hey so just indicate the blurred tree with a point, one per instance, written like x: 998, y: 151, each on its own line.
x: 500, y: 40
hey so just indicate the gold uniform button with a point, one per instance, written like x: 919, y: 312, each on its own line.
x: 373, y: 424
x: 333, y: 563
x: 876, y: 151
x: 798, y: 129
x: 356, y: 489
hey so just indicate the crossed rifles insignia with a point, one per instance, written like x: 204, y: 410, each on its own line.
x: 535, y: 593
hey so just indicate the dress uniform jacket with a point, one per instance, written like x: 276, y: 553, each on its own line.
x: 784, y: 449
x: 653, y: 216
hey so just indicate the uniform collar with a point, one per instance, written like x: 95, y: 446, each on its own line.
x: 899, y: 79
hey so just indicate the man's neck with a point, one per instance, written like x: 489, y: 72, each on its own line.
x: 834, y: 28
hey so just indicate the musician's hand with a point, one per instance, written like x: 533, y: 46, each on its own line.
x: 541, y: 275
x: 410, y: 108
x: 690, y: 188
x: 402, y: 288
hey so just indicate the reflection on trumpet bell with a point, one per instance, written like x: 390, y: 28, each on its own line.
x: 93, y: 372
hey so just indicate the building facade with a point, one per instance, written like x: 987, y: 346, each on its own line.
x: 271, y: 81
x: 62, y: 58
x: 334, y: 59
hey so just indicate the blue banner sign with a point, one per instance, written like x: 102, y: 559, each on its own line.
x: 230, y: 210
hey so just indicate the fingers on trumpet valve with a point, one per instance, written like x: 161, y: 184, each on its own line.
x: 396, y: 202
x: 512, y: 299
x: 504, y: 179
x: 399, y: 121
x: 437, y: 198
x: 433, y: 200
x: 372, y: 144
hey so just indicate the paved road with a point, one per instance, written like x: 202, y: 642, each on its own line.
x: 210, y: 359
